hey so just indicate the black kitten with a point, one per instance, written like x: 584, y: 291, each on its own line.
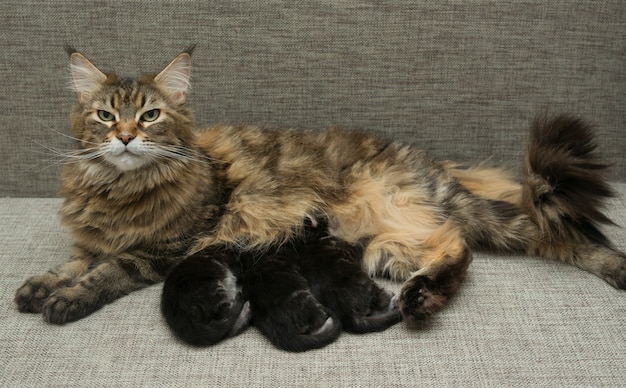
x: 300, y: 295
x: 201, y: 301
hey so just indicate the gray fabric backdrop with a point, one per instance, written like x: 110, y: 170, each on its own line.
x: 462, y: 79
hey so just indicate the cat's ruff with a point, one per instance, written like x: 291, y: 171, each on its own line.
x: 147, y: 189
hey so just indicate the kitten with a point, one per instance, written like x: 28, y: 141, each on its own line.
x: 201, y: 299
x: 300, y: 295
x: 303, y: 294
x: 144, y: 190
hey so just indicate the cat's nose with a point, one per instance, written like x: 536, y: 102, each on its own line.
x: 125, y: 137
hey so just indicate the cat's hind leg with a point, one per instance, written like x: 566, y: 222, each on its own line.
x: 400, y: 204
x: 557, y: 210
x: 201, y: 302
x: 433, y: 268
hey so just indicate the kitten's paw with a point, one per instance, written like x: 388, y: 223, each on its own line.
x: 68, y: 304
x: 376, y: 314
x: 298, y: 324
x: 327, y: 327
x: 242, y: 321
x: 200, y: 301
x: 305, y: 316
x: 30, y: 297
x: 419, y: 299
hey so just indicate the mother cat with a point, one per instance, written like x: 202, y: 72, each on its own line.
x: 144, y: 190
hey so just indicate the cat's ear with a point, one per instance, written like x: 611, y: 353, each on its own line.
x: 174, y: 79
x: 86, y: 77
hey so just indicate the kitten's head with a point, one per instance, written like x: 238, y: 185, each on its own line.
x: 132, y: 123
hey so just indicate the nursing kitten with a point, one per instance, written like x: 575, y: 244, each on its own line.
x: 299, y: 295
x: 302, y: 295
x: 144, y: 190
x: 201, y: 299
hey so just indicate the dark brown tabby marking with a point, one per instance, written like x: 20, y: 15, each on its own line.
x: 144, y: 190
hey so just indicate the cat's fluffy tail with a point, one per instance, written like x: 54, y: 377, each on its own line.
x: 563, y: 192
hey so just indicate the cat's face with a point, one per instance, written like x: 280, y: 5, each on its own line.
x: 128, y: 124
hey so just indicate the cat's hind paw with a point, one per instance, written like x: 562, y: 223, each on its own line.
x: 419, y: 299
x: 614, y: 272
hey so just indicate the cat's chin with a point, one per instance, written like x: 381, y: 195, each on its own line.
x: 126, y: 161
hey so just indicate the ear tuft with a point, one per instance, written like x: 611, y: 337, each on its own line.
x: 87, y: 79
x: 174, y: 79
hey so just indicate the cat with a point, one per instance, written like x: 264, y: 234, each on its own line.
x: 299, y: 295
x: 144, y: 190
x: 201, y: 299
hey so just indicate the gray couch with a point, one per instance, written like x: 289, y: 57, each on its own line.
x: 462, y: 79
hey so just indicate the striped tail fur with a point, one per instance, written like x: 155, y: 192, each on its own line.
x: 563, y: 192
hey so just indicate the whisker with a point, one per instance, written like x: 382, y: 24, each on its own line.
x: 57, y: 157
x: 183, y: 152
x: 72, y: 137
x: 157, y: 153
x: 81, y: 154
x: 173, y: 152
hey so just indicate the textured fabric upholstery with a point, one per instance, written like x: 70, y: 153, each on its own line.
x: 461, y: 78
x: 517, y: 321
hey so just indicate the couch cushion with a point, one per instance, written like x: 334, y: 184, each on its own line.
x: 517, y: 321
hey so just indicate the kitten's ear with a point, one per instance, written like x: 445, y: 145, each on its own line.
x: 87, y: 79
x: 174, y: 79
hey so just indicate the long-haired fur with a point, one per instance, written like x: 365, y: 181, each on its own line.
x: 146, y: 189
x: 564, y: 192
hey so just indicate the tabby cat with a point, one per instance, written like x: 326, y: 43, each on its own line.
x: 145, y: 190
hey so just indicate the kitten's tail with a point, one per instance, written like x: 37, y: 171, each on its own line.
x: 563, y: 192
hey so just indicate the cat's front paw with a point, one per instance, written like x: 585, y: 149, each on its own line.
x: 69, y: 304
x: 30, y: 297
x: 419, y: 299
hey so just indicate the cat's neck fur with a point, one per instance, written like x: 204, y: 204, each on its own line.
x: 96, y: 177
x: 157, y: 206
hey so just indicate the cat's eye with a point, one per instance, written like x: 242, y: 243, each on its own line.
x: 150, y: 115
x: 105, y: 116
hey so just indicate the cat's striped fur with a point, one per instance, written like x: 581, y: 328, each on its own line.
x: 141, y: 194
